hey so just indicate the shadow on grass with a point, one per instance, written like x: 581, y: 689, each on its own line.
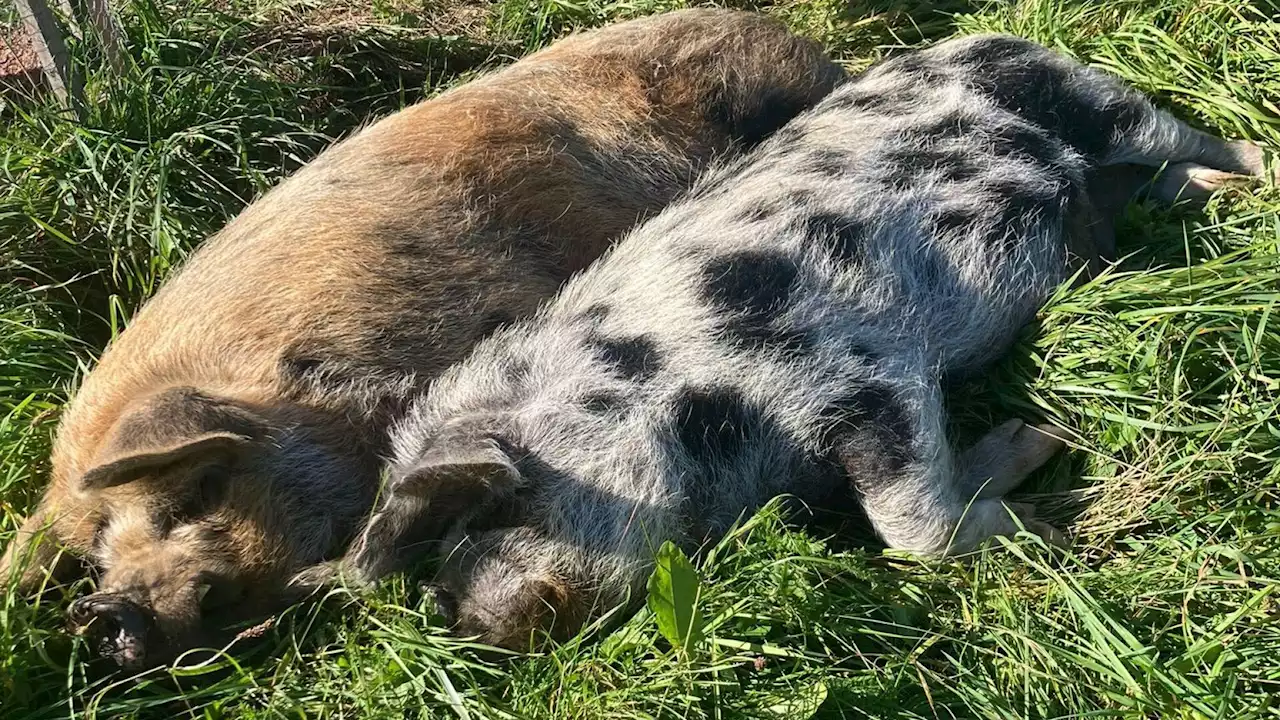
x: 213, y: 110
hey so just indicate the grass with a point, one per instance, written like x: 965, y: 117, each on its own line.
x: 1167, y: 369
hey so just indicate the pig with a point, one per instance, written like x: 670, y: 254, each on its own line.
x: 230, y: 439
x: 787, y: 328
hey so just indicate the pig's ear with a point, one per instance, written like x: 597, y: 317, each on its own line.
x: 177, y: 425
x: 34, y: 552
x: 449, y: 483
x: 455, y: 478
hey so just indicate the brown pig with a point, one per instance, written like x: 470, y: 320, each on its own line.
x: 231, y: 437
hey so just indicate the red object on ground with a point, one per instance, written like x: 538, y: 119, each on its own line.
x: 19, y: 65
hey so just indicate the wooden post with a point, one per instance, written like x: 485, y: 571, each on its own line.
x: 50, y: 49
x: 107, y: 31
x: 105, y: 28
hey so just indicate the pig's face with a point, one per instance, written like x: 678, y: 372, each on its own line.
x: 195, y: 517
x: 178, y: 564
x: 511, y: 587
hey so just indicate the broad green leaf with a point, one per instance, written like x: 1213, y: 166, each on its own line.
x: 673, y: 597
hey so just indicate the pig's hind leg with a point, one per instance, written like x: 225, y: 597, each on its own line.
x: 919, y: 493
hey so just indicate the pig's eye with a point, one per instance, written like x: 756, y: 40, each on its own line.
x: 217, y: 593
x: 99, y: 529
x: 207, y: 492
x: 213, y: 485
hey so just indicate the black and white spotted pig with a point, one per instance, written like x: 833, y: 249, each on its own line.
x: 786, y: 329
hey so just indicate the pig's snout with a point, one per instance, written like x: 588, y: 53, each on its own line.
x: 117, y: 626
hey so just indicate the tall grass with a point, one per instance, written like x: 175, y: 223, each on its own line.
x: 1166, y: 368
